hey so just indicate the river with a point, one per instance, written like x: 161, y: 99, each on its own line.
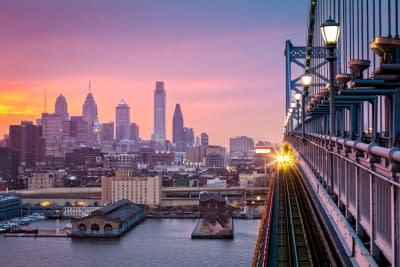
x: 155, y: 242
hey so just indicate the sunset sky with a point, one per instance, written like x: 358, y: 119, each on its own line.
x: 223, y: 61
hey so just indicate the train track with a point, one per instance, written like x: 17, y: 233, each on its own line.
x: 302, y: 241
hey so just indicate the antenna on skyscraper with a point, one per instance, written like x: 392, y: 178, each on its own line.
x: 45, y: 100
x: 90, y: 87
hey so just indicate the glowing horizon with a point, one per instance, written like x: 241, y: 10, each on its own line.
x: 226, y: 71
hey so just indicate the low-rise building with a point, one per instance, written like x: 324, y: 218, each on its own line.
x: 110, y: 221
x: 74, y: 211
x: 10, y: 206
x: 40, y: 180
x: 140, y: 190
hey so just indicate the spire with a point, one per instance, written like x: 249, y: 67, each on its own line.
x: 90, y: 87
x: 45, y: 100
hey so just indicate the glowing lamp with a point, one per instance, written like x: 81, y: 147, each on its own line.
x: 306, y: 79
x: 297, y: 96
x: 330, y: 32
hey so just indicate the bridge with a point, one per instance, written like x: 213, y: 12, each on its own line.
x: 335, y: 198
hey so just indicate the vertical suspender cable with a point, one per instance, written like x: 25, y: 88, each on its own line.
x: 362, y: 29
x: 396, y: 12
x: 358, y: 29
x: 389, y: 19
x: 380, y: 18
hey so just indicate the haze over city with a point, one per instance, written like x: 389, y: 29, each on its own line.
x: 222, y: 61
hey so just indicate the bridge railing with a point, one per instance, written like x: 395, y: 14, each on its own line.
x: 363, y: 180
x: 261, y: 250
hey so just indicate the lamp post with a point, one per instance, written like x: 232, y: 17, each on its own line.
x: 297, y: 96
x: 306, y: 84
x: 292, y: 108
x: 330, y: 32
x: 264, y: 150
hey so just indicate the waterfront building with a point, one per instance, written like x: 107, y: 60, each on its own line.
x: 29, y: 143
x: 10, y: 206
x: 216, y: 218
x: 110, y: 221
x: 8, y: 165
x: 204, y: 139
x: 159, y: 114
x: 178, y: 133
x: 78, y: 211
x: 134, y: 132
x: 140, y: 190
x: 122, y: 120
x: 61, y: 107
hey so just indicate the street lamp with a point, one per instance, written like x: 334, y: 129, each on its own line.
x: 306, y: 84
x: 330, y: 32
x: 264, y: 150
x: 297, y: 96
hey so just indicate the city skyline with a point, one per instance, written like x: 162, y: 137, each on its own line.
x: 213, y: 66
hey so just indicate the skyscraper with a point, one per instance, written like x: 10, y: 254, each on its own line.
x: 122, y: 120
x: 27, y: 140
x: 189, y: 136
x: 134, y: 132
x: 204, y: 139
x: 107, y: 131
x: 52, y: 132
x: 61, y: 107
x: 89, y: 114
x: 178, y: 133
x: 159, y: 113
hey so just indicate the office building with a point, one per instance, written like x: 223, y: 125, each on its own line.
x: 29, y: 143
x: 10, y: 206
x: 42, y: 180
x: 159, y: 113
x: 61, y: 107
x: 204, y: 139
x: 215, y: 157
x: 242, y: 144
x: 107, y: 132
x: 178, y: 133
x: 8, y: 165
x: 189, y: 137
x: 134, y: 132
x: 122, y: 120
x: 52, y: 132
x: 139, y: 190
x: 89, y: 114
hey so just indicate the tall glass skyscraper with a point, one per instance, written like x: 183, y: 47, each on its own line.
x: 159, y: 113
x: 89, y: 114
x: 122, y: 120
x: 178, y: 134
